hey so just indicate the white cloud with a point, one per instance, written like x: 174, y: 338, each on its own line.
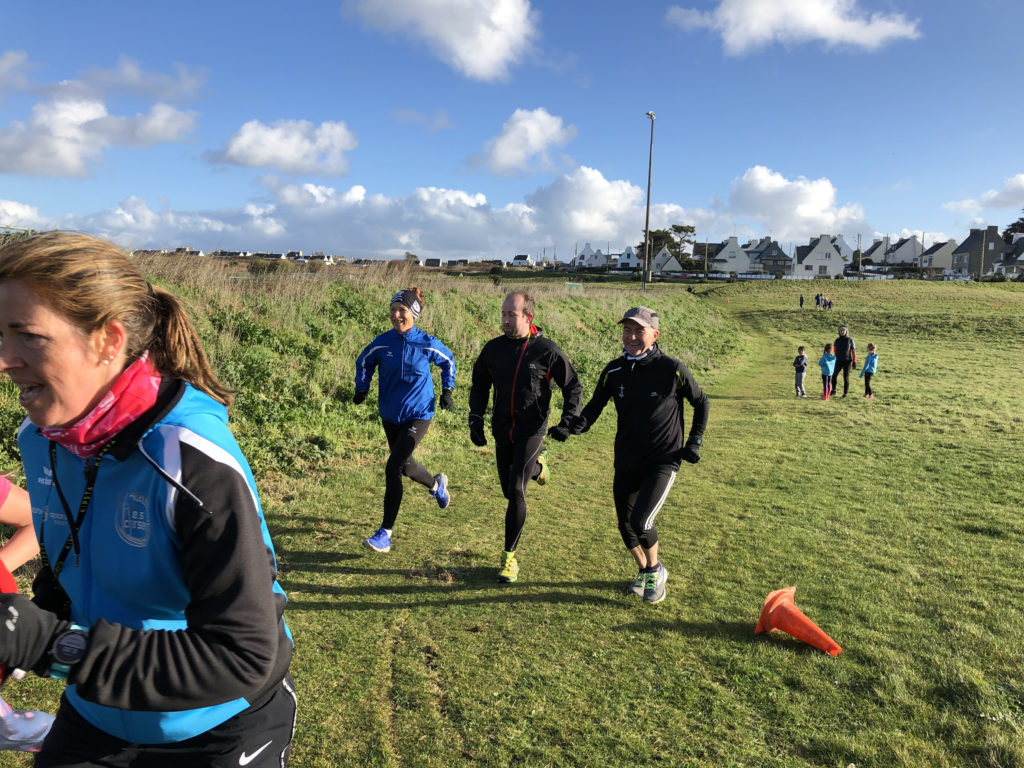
x: 480, y: 39
x: 15, y: 214
x: 524, y: 141
x: 128, y: 77
x: 67, y: 134
x: 792, y: 210
x: 575, y: 207
x: 1010, y: 196
x: 439, y: 121
x: 69, y: 129
x: 747, y: 25
x: 291, y: 146
x: 13, y: 66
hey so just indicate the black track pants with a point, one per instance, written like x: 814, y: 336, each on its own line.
x: 517, y: 464
x: 402, y: 440
x: 639, y: 495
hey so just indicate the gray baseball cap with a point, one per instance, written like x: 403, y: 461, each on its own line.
x: 644, y: 316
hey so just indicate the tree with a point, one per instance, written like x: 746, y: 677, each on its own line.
x: 674, y: 238
x: 1016, y: 228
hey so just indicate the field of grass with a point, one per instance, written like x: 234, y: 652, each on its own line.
x: 897, y: 519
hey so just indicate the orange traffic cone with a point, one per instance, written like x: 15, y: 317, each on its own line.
x: 780, y: 612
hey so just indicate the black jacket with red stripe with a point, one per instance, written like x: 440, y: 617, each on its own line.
x: 521, y: 371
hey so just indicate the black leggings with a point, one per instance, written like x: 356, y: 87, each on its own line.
x: 867, y: 383
x: 517, y: 464
x: 402, y: 440
x: 639, y: 495
x: 844, y: 366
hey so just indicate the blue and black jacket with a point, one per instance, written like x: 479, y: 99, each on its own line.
x: 176, y: 579
x: 406, y: 388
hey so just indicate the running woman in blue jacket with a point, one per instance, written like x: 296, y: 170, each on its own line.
x: 405, y: 402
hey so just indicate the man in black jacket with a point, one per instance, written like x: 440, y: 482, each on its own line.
x: 520, y: 365
x: 846, y: 354
x: 649, y: 389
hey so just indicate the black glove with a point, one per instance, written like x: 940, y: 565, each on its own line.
x: 26, y: 633
x: 359, y: 396
x: 476, y: 430
x: 691, y: 451
x: 446, y: 400
x: 560, y: 433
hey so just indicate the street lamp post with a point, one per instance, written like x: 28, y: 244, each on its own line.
x: 647, y: 223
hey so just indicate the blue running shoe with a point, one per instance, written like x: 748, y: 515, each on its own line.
x: 441, y: 494
x: 379, y: 542
x: 22, y: 730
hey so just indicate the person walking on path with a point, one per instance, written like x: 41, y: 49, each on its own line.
x: 158, y: 601
x: 649, y: 389
x: 846, y: 355
x: 827, y: 363
x: 520, y: 365
x: 20, y: 730
x: 800, y: 364
x: 868, y: 370
x: 405, y: 402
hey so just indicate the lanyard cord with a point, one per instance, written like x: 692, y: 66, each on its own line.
x: 92, y: 468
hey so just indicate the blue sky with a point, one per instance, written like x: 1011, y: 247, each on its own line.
x: 486, y: 128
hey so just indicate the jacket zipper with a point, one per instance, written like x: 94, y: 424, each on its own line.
x: 512, y: 399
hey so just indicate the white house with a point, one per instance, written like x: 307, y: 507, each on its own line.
x: 731, y: 257
x: 629, y: 259
x: 939, y: 257
x: 818, y: 259
x: 522, y: 260
x: 843, y: 247
x: 906, y: 252
x: 664, y: 261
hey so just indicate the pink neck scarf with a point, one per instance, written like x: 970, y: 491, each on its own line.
x: 131, y: 395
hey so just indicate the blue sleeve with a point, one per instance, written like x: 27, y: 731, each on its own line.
x: 444, y: 359
x: 366, y: 364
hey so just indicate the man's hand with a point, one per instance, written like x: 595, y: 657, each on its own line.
x: 691, y: 451
x: 560, y: 433
x: 359, y: 396
x: 476, y: 430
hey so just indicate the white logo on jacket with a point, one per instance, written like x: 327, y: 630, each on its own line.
x: 133, y: 523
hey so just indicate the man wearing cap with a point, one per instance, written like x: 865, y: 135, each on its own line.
x: 649, y: 389
x: 846, y: 354
x: 521, y: 366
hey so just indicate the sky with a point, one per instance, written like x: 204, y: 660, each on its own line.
x: 489, y: 128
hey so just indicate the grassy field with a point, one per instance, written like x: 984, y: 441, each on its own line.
x: 897, y: 519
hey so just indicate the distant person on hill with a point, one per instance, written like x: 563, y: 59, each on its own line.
x: 405, y: 402
x: 649, y: 389
x: 817, y: 301
x: 801, y: 301
x: 800, y: 364
x: 846, y: 355
x: 20, y: 730
x: 520, y: 365
x: 868, y: 370
x: 827, y: 362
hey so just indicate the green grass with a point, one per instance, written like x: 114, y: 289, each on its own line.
x: 897, y: 519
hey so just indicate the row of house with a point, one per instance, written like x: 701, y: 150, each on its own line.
x: 982, y: 253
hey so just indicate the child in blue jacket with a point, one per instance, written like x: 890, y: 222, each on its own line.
x: 828, y: 365
x: 868, y: 370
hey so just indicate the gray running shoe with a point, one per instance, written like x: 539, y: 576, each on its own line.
x: 654, y: 590
x: 637, y: 585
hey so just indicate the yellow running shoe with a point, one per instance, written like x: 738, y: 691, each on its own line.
x: 542, y: 476
x: 510, y: 571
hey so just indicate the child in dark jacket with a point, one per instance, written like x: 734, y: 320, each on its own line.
x: 800, y: 364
